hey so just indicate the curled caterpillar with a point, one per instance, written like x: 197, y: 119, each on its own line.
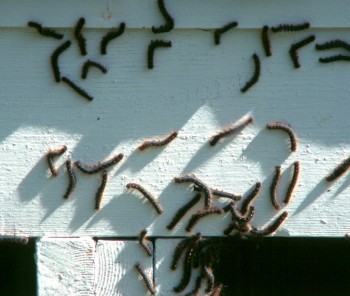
x: 249, y: 199
x: 169, y: 21
x: 293, y: 182
x: 79, y: 36
x: 146, y: 279
x: 290, y: 27
x: 78, y: 89
x: 100, y: 190
x: 110, y: 36
x: 145, y: 244
x: 224, y: 29
x: 44, y: 31
x: 51, y: 155
x: 236, y: 217
x: 255, y: 76
x: 88, y: 64
x: 154, y: 202
x: 72, y: 180
x: 54, y: 59
x: 270, y: 228
x: 266, y: 41
x: 100, y: 166
x: 274, y: 187
x: 231, y: 129
x: 339, y: 170
x: 200, y: 214
x: 286, y: 128
x: 199, y: 183
x: 337, y: 43
x: 182, y: 211
x: 158, y: 142
x: 336, y: 58
x: 152, y: 46
x: 181, y: 247
x: 294, y: 48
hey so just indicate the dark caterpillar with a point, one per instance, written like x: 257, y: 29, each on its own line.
x: 266, y: 41
x: 339, y: 170
x: 288, y: 129
x: 336, y: 58
x: 158, y: 142
x: 100, y: 190
x: 110, y: 36
x: 169, y: 21
x: 79, y: 90
x: 270, y: 228
x: 152, y: 46
x: 290, y: 27
x: 274, y: 187
x: 337, y: 43
x: 99, y: 167
x: 294, y: 48
x: 255, y: 76
x: 145, y: 243
x: 54, y: 59
x: 79, y: 36
x: 45, y: 31
x: 224, y: 29
x: 293, y: 182
x: 51, y: 155
x: 249, y: 199
x: 88, y: 64
x: 239, y: 219
x: 146, y: 279
x: 200, y: 214
x: 72, y: 180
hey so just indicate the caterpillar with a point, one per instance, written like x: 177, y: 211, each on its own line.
x: 181, y: 247
x: 51, y: 154
x: 110, y: 36
x: 221, y: 193
x: 232, y: 226
x: 293, y: 182
x: 274, y: 187
x: 54, y: 59
x: 152, y: 46
x: 228, y: 207
x: 100, y: 190
x: 182, y: 211
x: 44, y: 31
x: 210, y: 278
x: 270, y: 228
x: 224, y: 29
x: 249, y: 199
x: 169, y: 21
x: 205, y: 188
x: 337, y: 43
x: 88, y: 64
x: 339, y: 170
x: 290, y: 27
x: 255, y: 76
x: 288, y: 129
x: 335, y: 58
x: 155, y: 203
x: 158, y: 142
x: 200, y: 214
x: 266, y: 41
x: 79, y: 36
x: 72, y: 180
x: 146, y: 279
x: 79, y: 90
x: 145, y: 243
x: 294, y: 48
x: 239, y: 219
x: 99, y: 167
x: 231, y: 129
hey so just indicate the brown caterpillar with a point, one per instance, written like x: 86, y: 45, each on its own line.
x: 335, y: 58
x: 154, y: 202
x: 146, y: 279
x: 110, y: 36
x: 255, y: 76
x: 72, y: 180
x: 158, y: 142
x: 79, y: 36
x: 145, y: 244
x: 337, y: 43
x: 274, y: 187
x: 231, y: 129
x: 54, y: 59
x: 266, y: 41
x: 295, y: 46
x: 224, y: 29
x: 99, y: 167
x: 88, y: 64
x: 239, y: 219
x: 44, y: 31
x: 221, y: 193
x: 200, y: 214
x: 169, y: 21
x: 249, y: 199
x: 199, y: 183
x: 288, y: 129
x: 182, y: 211
x: 339, y: 170
x: 270, y: 228
x: 79, y: 90
x: 293, y: 182
x: 208, y: 273
x: 100, y: 190
x: 152, y: 46
x: 181, y: 247
x: 51, y: 155
x: 290, y: 27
